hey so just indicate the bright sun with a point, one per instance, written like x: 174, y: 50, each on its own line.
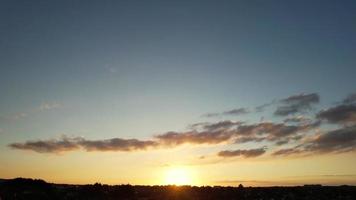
x: 178, y: 176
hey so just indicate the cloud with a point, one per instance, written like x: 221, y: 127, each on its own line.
x: 237, y: 111
x: 282, y: 142
x: 194, y: 137
x: 286, y: 152
x: 116, y: 144
x: 297, y: 119
x: 226, y: 124
x: 229, y: 131
x: 49, y: 106
x: 340, y: 140
x: 342, y: 114
x: 271, y: 131
x: 211, y: 115
x: 111, y: 69
x: 336, y: 141
x: 262, y: 107
x: 244, y: 153
x: 49, y: 146
x: 19, y: 115
x: 70, y: 144
x: 296, y: 130
x: 226, y: 131
x: 296, y: 103
x: 203, y: 133
x: 350, y: 99
x: 15, y: 116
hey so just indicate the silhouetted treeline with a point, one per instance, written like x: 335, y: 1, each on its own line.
x: 29, y: 189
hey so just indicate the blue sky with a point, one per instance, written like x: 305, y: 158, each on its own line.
x: 133, y: 69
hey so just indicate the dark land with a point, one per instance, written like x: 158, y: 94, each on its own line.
x: 28, y: 189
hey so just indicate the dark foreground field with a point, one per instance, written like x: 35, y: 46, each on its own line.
x: 28, y: 189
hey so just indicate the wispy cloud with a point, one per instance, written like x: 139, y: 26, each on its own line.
x: 351, y: 98
x: 296, y: 103
x: 111, y: 68
x: 49, y: 106
x: 235, y: 111
x: 20, y: 115
x: 262, y: 107
x: 15, y: 116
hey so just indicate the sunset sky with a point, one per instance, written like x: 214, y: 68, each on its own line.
x: 179, y: 92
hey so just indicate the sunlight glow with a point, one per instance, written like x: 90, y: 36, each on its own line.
x: 178, y: 176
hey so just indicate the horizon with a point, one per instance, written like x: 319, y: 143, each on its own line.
x: 174, y: 185
x: 179, y: 92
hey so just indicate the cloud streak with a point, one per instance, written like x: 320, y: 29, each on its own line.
x: 70, y: 144
x: 249, y: 153
x: 297, y: 103
x: 232, y: 112
x: 49, y: 146
x: 237, y: 111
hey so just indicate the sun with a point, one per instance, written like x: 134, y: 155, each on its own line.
x: 178, y: 176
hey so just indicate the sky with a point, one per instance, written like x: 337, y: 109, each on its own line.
x: 220, y: 92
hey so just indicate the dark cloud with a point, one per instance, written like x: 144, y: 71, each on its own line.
x: 203, y: 133
x: 116, y: 144
x: 287, y: 110
x: 302, y: 99
x: 194, y: 137
x: 262, y: 107
x: 282, y: 142
x: 226, y: 124
x: 271, y: 131
x: 340, y: 140
x: 49, y: 146
x: 286, y: 152
x: 228, y: 131
x: 237, y: 111
x: 70, y: 144
x: 293, y: 131
x: 296, y: 103
x: 342, y: 114
x: 336, y: 141
x: 244, y: 153
x: 350, y: 99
